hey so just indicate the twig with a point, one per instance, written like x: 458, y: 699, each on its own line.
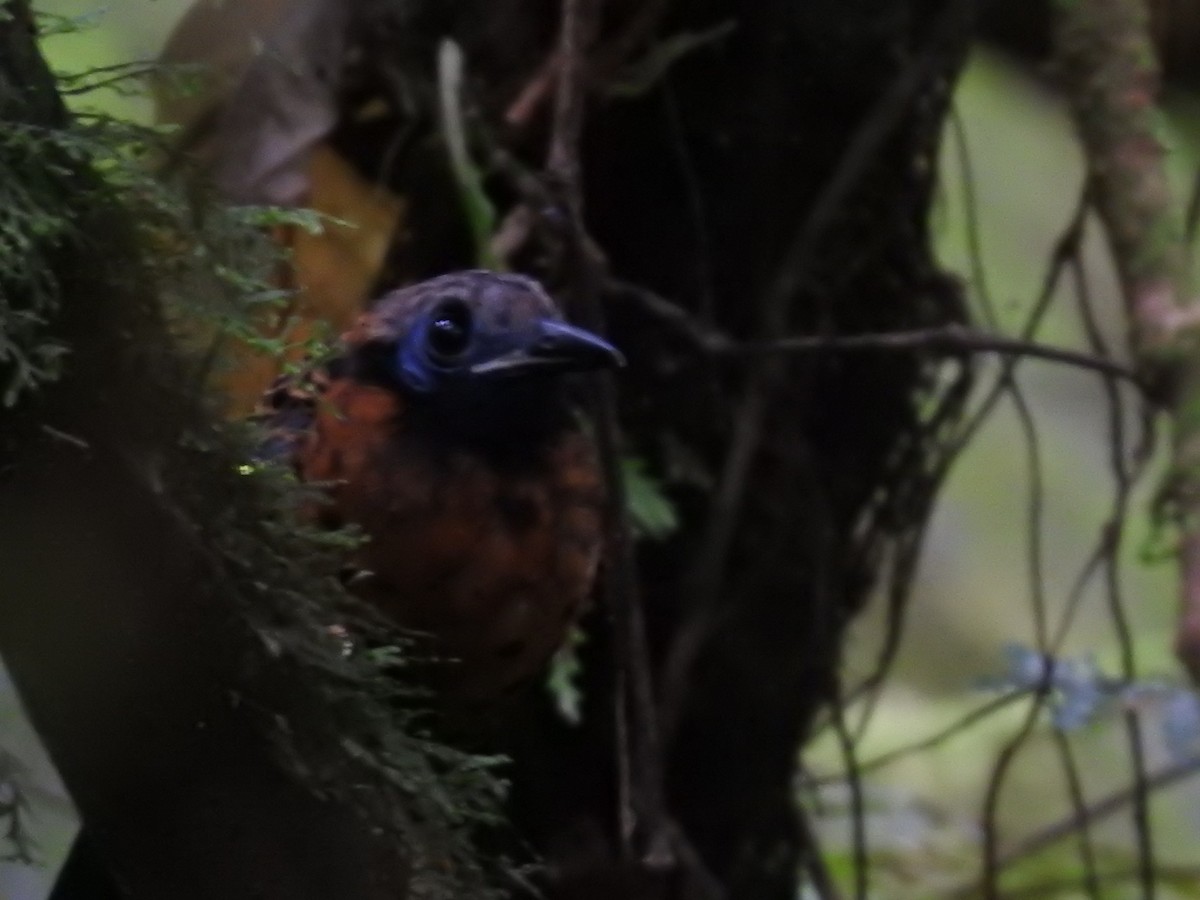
x: 942, y: 340
x: 104, y: 76
x: 531, y: 97
x: 992, y: 860
x: 639, y: 29
x: 971, y: 214
x: 1087, y: 848
x: 705, y: 292
x: 1106, y: 56
x: 858, y: 817
x: 1037, y: 584
x: 1066, y: 247
x: 1036, y: 521
x: 706, y: 580
x: 1109, y: 550
x: 1060, y: 887
x: 608, y: 58
x: 661, y: 845
x: 73, y: 440
x: 580, y: 21
x: 958, y: 726
x: 1102, y: 809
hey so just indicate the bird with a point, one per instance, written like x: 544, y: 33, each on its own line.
x: 441, y: 426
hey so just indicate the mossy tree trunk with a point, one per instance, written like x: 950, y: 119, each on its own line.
x: 147, y: 687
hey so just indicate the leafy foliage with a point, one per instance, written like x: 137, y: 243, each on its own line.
x: 374, y: 729
x: 364, y: 737
x: 33, y: 225
x: 651, y: 513
x: 477, y: 207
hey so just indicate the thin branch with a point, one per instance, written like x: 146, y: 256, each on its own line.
x: 1008, y: 754
x: 1148, y: 879
x: 971, y: 214
x: 992, y: 859
x: 943, y: 340
x: 1036, y: 523
x: 706, y: 300
x: 531, y: 97
x: 1075, y: 596
x: 1103, y: 808
x: 1066, y: 247
x: 706, y: 579
x: 1087, y: 847
x: 1124, y: 474
x: 604, y: 62
x: 1059, y: 887
x: 100, y: 77
x: 580, y: 22
x: 955, y: 728
x: 858, y: 816
x: 647, y: 830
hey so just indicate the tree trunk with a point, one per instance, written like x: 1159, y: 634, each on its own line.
x: 775, y: 182
x: 153, y: 696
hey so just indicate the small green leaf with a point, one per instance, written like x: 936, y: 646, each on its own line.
x: 652, y: 514
x: 477, y: 206
x: 560, y: 681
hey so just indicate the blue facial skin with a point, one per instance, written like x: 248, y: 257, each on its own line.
x: 503, y: 382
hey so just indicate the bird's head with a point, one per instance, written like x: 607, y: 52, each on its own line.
x: 483, y: 350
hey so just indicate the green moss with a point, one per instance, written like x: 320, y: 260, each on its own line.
x: 34, y: 223
x: 361, y: 734
x: 372, y: 729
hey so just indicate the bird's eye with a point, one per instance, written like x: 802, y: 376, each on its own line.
x: 450, y: 330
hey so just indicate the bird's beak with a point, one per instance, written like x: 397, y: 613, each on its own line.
x: 553, y: 347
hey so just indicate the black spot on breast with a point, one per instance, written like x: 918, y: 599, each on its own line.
x: 518, y: 513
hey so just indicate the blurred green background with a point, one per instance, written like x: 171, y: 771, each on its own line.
x: 972, y: 594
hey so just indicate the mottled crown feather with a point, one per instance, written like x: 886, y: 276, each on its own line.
x: 499, y: 301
